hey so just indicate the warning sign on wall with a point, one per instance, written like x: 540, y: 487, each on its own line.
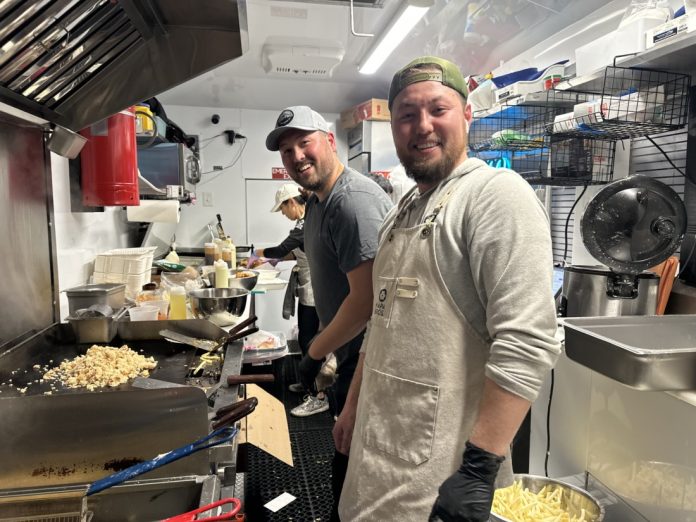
x: 279, y: 173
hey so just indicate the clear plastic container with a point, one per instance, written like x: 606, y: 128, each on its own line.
x: 143, y: 313
x: 209, y: 253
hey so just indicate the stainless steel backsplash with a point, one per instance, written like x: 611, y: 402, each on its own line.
x: 26, y: 249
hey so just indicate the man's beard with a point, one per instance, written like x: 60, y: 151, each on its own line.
x: 424, y: 172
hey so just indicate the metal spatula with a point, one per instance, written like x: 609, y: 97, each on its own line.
x: 204, y: 344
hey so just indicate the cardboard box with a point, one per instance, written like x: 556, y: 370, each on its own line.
x: 266, y: 428
x: 373, y: 109
x: 668, y: 31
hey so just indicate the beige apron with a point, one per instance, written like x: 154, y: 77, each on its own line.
x: 422, y: 381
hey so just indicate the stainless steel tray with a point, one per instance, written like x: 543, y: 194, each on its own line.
x: 656, y: 353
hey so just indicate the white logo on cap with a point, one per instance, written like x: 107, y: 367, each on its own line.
x: 285, y: 117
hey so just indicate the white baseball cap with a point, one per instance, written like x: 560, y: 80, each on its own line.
x: 298, y: 117
x: 285, y: 192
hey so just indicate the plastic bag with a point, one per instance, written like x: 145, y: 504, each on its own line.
x: 649, y: 9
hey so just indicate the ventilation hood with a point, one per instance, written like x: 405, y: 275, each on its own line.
x: 75, y: 62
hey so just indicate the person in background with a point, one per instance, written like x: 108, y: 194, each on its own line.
x: 463, y: 324
x: 291, y: 203
x: 342, y: 218
x: 383, y: 182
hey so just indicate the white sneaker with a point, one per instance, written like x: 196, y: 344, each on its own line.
x: 310, y: 406
x: 296, y: 388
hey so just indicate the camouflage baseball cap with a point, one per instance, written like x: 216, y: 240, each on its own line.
x: 449, y: 75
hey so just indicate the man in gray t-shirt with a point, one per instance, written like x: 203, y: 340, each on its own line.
x: 342, y: 221
x: 340, y: 234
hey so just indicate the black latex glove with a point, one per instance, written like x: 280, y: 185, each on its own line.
x: 309, y: 369
x: 467, y: 495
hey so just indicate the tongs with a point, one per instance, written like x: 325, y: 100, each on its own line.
x: 219, y: 436
x: 210, y: 345
x: 190, y: 516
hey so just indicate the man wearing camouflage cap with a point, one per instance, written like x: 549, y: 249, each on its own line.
x: 463, y: 324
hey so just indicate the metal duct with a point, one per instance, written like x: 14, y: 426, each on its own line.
x: 75, y: 62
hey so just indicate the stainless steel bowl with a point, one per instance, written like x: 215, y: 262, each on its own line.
x: 573, y: 499
x: 207, y: 303
x: 247, y: 283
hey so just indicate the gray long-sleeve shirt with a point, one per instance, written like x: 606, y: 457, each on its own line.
x: 494, y: 254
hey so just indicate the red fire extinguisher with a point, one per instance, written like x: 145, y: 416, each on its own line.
x: 109, y: 162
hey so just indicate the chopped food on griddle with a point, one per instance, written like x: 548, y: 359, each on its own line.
x: 102, y: 366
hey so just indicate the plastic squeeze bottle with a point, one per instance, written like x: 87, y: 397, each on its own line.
x: 222, y: 274
x: 177, y: 303
x: 233, y: 251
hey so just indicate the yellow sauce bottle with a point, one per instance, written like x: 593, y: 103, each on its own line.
x: 177, y: 303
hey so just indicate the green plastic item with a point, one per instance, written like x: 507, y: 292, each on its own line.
x: 169, y: 267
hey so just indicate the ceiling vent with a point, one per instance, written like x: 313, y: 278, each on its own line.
x: 301, y: 58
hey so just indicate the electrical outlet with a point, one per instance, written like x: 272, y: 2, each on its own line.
x: 207, y: 199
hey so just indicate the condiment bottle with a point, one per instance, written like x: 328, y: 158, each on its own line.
x: 222, y: 274
x: 209, y: 251
x: 233, y: 252
x: 177, y: 303
x: 218, y: 249
x: 227, y: 256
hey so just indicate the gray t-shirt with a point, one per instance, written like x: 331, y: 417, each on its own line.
x: 339, y: 234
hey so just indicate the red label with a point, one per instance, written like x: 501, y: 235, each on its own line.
x: 279, y: 173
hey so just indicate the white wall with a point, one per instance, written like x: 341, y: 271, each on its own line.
x: 80, y: 235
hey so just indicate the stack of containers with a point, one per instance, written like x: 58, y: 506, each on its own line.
x: 130, y: 266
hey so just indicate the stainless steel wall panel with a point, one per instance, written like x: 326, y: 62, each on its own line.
x: 78, y: 438
x: 26, y: 299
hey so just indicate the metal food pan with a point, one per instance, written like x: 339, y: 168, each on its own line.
x: 656, y: 353
x: 144, y: 500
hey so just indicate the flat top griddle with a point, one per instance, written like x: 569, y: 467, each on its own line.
x: 24, y: 365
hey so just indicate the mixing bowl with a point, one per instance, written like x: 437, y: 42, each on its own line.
x: 207, y: 303
x: 573, y: 499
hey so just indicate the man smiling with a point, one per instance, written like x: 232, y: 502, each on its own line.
x: 463, y: 322
x: 342, y: 219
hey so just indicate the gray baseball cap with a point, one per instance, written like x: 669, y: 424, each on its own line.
x: 299, y: 117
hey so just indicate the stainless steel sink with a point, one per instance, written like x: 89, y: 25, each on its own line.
x: 655, y: 353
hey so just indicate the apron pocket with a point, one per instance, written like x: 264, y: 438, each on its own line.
x: 402, y: 422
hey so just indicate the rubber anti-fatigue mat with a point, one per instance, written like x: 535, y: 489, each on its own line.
x: 309, y: 480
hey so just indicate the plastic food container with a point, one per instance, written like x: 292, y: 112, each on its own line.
x: 161, y: 304
x: 112, y: 294
x: 143, y: 313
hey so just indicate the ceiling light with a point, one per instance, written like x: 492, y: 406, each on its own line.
x: 408, y: 15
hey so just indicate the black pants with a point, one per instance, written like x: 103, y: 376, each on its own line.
x: 337, y: 395
x: 307, y: 325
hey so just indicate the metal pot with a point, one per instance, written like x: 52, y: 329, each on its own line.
x: 591, y: 291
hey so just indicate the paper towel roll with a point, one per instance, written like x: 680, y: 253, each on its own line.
x: 154, y: 211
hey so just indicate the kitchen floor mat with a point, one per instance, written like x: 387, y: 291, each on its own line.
x: 312, y: 450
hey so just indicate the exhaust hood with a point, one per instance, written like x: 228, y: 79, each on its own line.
x: 76, y: 62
